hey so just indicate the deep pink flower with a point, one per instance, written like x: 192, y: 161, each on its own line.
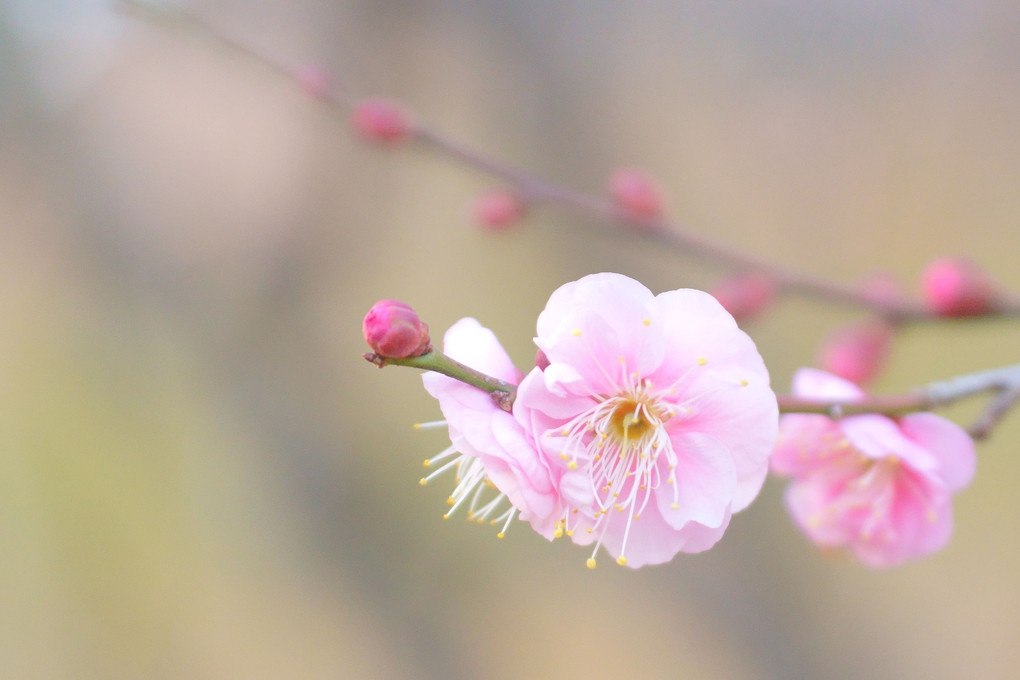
x: 654, y: 416
x: 489, y: 447
x: 880, y: 487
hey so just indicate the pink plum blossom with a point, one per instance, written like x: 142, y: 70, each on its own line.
x: 654, y: 417
x: 880, y: 487
x: 490, y: 449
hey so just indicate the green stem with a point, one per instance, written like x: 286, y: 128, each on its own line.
x: 502, y: 392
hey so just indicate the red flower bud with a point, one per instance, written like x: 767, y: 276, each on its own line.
x: 856, y: 352
x: 393, y: 330
x: 745, y: 295
x: 381, y: 120
x: 636, y: 194
x: 314, y: 80
x: 957, y: 287
x: 497, y: 210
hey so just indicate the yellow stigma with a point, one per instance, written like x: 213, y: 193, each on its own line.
x: 622, y: 561
x: 591, y: 562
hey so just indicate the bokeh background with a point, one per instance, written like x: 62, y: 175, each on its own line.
x: 201, y: 478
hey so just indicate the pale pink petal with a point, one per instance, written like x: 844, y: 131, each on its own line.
x: 806, y: 442
x: 744, y: 417
x: 952, y: 447
x: 880, y: 437
x: 815, y: 384
x: 699, y: 331
x: 705, y: 482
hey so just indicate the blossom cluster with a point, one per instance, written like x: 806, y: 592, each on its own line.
x: 648, y: 421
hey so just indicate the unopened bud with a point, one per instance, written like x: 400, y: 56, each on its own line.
x: 497, y: 209
x: 636, y: 194
x: 957, y: 287
x: 381, y: 120
x: 745, y: 295
x: 393, y: 330
x: 857, y: 352
x: 314, y: 80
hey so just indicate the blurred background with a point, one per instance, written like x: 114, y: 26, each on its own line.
x: 200, y: 477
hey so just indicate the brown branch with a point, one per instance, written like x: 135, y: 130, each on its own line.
x: 535, y: 189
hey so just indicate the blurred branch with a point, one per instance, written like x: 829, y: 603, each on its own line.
x: 533, y: 189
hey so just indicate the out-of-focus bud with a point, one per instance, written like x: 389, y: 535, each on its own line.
x: 497, y: 210
x: 636, y: 194
x: 745, y: 295
x: 381, y: 120
x: 393, y: 330
x: 857, y: 352
x: 954, y: 286
x: 314, y: 79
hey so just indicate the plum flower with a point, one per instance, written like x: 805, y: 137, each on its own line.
x: 498, y: 471
x: 879, y: 487
x: 654, y: 417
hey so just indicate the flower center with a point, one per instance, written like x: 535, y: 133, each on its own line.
x: 630, y: 453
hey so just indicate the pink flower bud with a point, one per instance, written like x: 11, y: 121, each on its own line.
x: 497, y: 210
x: 381, y: 120
x: 314, y: 80
x: 635, y: 193
x: 856, y: 352
x: 745, y: 295
x: 541, y: 360
x: 955, y: 286
x: 393, y: 330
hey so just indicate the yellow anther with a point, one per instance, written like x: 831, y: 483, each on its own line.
x: 743, y: 383
x: 572, y: 465
x: 702, y: 361
x: 501, y: 535
x: 564, y: 456
x: 622, y: 561
x: 422, y: 481
x: 446, y: 516
x: 674, y: 506
x: 417, y: 426
x: 570, y: 532
x: 591, y: 562
x: 426, y: 462
x: 590, y: 530
x: 576, y: 332
x: 558, y: 533
x: 451, y: 500
x: 647, y: 322
x: 637, y: 517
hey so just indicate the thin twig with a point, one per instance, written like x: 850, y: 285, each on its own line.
x: 537, y: 190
